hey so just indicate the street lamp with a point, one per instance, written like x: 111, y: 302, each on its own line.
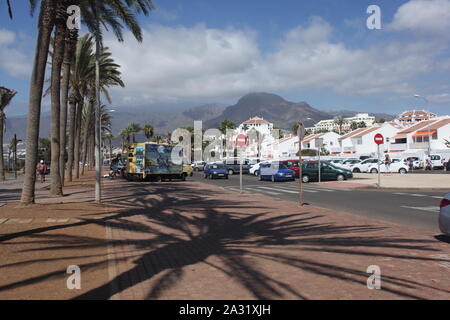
x: 418, y: 96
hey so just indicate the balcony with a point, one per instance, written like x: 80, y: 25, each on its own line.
x: 418, y: 145
x: 398, y: 146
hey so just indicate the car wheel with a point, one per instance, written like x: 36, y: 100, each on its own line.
x: 256, y: 173
x: 211, y: 177
x: 183, y: 177
x: 402, y: 171
x: 373, y: 170
x: 226, y: 177
x: 158, y: 179
x: 260, y: 178
x: 195, y: 169
x: 206, y: 176
x: 273, y: 178
x: 230, y: 172
x: 356, y: 170
x: 305, y: 178
x: 340, y: 177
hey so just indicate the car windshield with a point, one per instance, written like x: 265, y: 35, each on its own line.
x: 217, y: 166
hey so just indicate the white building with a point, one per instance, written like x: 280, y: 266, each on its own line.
x: 262, y: 126
x: 330, y: 124
x: 414, y: 116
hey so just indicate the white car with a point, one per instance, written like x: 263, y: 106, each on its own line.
x: 339, y: 163
x: 347, y: 164
x: 444, y: 215
x: 397, y: 165
x: 364, y: 165
x: 254, y: 169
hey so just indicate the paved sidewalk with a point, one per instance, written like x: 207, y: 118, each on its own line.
x: 189, y: 240
x: 196, y: 241
x: 404, y: 181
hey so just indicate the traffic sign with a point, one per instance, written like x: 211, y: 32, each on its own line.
x: 301, y: 131
x: 241, y: 140
x: 379, y: 139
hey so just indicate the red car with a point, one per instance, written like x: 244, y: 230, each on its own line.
x: 293, y: 165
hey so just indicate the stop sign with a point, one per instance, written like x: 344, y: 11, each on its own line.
x: 241, y: 140
x: 379, y: 139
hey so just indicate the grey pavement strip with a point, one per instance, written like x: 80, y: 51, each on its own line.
x: 112, y: 268
x: 429, y: 209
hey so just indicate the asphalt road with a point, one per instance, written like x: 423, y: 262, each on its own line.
x: 414, y: 209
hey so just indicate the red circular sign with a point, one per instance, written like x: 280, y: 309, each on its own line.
x: 379, y: 139
x: 241, y: 140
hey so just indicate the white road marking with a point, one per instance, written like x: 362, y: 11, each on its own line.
x: 429, y: 209
x: 282, y: 190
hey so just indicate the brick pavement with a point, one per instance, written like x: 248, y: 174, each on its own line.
x: 195, y: 241
x: 188, y: 240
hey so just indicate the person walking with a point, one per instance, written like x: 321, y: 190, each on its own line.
x: 41, y: 170
x: 387, y: 163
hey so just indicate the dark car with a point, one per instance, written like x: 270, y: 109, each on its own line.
x: 310, y: 172
x: 293, y: 165
x: 215, y: 170
x: 233, y: 166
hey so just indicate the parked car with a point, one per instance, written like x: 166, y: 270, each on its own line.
x: 293, y: 165
x: 364, y: 165
x: 417, y: 163
x: 233, y: 166
x: 198, y: 165
x: 215, y: 170
x: 436, y: 161
x: 444, y: 214
x: 276, y: 171
x: 397, y: 165
x: 345, y: 164
x: 254, y: 169
x: 328, y: 171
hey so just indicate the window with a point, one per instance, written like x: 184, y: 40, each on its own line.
x: 434, y: 136
x: 312, y: 165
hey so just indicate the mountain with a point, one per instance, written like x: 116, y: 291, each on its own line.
x: 272, y: 108
x: 269, y: 106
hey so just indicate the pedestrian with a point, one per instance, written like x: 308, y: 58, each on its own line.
x: 41, y: 170
x: 447, y: 166
x: 428, y: 164
x: 411, y: 164
x: 387, y: 163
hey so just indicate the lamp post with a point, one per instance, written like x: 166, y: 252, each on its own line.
x: 98, y: 134
x: 418, y: 96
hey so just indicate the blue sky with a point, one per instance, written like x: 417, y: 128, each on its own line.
x: 318, y: 51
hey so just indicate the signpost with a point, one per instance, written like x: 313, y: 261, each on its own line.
x: 319, y: 142
x: 241, y: 142
x: 379, y: 139
x: 301, y: 135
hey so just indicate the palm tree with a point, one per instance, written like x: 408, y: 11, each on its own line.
x: 354, y: 125
x: 226, y: 124
x: 110, y: 13
x: 148, y: 131
x: 245, y: 127
x: 340, y: 121
x: 6, y: 96
x: 159, y: 139
x: 133, y: 129
x: 125, y: 134
x: 109, y: 137
x: 294, y: 128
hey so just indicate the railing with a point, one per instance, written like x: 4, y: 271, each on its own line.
x: 418, y: 145
x: 398, y: 146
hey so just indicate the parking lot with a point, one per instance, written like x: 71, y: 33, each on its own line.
x: 403, y: 206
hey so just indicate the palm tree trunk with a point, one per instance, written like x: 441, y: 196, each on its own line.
x: 58, y: 56
x: 46, y: 20
x: 64, y: 101
x: 78, y: 137
x: 71, y: 144
x: 2, y: 126
x: 86, y: 129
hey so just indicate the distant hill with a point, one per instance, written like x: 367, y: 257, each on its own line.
x: 271, y: 107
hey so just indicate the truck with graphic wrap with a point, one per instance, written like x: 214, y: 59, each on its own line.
x: 152, y: 161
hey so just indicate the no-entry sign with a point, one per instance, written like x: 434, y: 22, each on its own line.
x: 379, y: 139
x: 241, y: 140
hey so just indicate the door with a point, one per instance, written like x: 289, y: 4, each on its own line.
x: 326, y: 172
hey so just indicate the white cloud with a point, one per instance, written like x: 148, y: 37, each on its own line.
x: 199, y: 62
x: 13, y: 60
x: 424, y: 16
